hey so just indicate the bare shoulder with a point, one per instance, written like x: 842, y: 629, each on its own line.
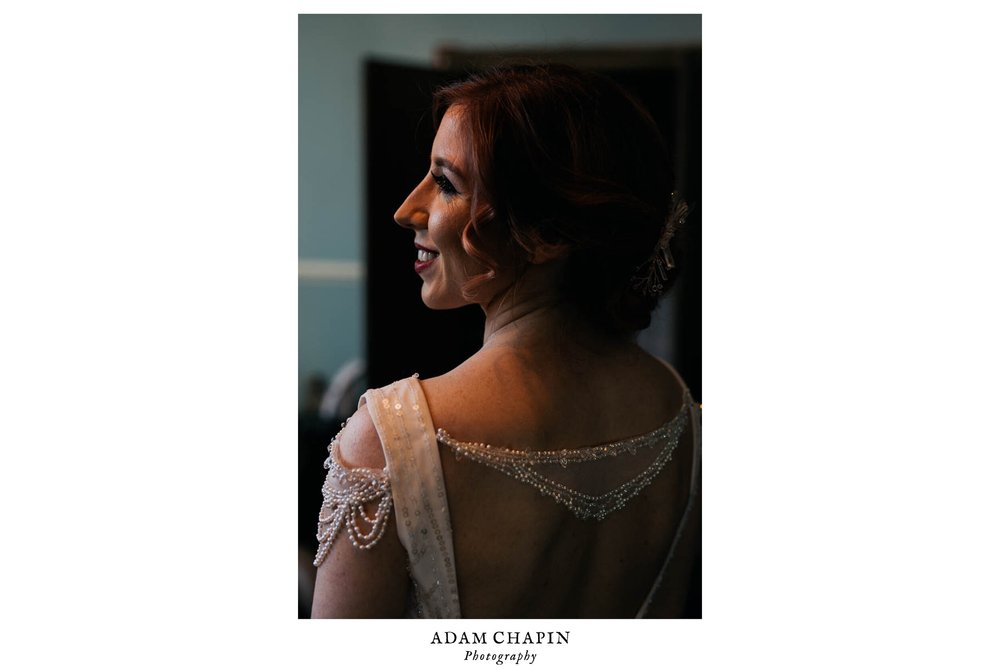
x: 504, y: 396
x: 655, y: 377
x: 465, y: 396
x: 360, y: 446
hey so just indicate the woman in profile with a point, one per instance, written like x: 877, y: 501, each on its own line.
x: 553, y: 474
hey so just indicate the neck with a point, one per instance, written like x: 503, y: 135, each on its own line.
x: 532, y: 314
x: 509, y: 319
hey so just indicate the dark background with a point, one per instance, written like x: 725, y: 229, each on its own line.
x: 402, y: 336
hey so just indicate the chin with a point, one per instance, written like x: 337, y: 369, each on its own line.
x: 441, y: 301
x: 433, y: 305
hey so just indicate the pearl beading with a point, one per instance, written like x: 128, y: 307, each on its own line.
x: 519, y: 464
x: 346, y: 491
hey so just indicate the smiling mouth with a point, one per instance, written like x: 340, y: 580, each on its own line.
x: 425, y: 258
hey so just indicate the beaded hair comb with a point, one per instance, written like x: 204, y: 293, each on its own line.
x: 651, y: 275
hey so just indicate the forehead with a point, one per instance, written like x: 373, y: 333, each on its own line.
x: 451, y: 140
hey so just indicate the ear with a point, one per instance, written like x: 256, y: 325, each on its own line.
x: 544, y: 252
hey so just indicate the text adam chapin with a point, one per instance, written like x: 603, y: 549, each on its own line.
x: 501, y: 637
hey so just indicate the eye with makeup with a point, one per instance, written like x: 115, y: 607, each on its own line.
x: 444, y: 185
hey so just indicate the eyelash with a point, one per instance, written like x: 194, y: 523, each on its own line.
x: 444, y: 185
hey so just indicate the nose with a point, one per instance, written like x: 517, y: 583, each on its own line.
x: 412, y: 213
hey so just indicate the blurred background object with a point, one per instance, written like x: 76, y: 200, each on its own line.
x: 327, y: 406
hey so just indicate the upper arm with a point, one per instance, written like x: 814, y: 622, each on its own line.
x: 352, y: 582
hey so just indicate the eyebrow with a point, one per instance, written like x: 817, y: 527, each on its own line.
x: 447, y: 164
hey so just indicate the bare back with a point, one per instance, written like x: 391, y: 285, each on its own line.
x: 521, y: 554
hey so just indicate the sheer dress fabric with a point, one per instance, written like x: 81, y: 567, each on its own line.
x: 414, y: 479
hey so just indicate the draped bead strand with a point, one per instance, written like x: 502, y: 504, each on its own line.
x: 346, y: 492
x: 520, y: 465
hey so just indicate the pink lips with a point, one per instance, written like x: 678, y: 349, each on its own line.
x: 419, y: 265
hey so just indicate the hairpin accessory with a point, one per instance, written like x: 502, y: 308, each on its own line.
x: 651, y: 275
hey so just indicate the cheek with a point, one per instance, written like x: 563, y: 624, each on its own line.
x: 447, y: 235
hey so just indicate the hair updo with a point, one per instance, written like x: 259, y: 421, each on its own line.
x: 566, y: 157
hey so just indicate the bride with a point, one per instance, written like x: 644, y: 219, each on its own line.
x: 554, y: 473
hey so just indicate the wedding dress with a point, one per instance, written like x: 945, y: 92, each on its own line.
x: 413, y: 486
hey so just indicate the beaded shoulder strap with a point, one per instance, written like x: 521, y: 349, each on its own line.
x: 521, y: 465
x: 410, y: 487
x: 346, y: 492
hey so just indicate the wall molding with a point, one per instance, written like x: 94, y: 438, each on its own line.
x: 331, y: 270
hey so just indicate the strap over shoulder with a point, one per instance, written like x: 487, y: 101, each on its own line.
x: 694, y: 490
x: 413, y: 463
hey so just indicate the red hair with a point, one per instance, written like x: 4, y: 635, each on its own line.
x: 562, y: 156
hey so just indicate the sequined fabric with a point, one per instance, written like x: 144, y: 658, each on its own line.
x: 423, y: 523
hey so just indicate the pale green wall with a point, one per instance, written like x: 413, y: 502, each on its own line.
x: 332, y: 49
